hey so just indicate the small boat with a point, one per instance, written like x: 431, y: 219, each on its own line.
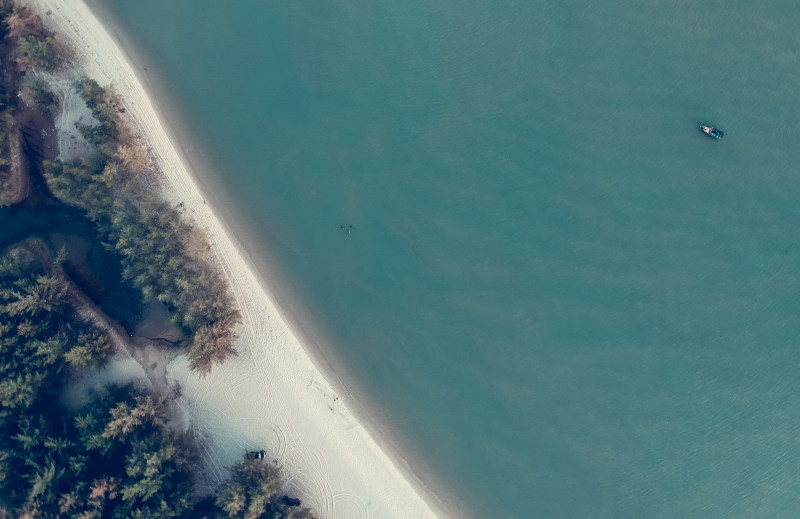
x: 712, y: 132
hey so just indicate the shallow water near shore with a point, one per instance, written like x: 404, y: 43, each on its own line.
x: 559, y: 294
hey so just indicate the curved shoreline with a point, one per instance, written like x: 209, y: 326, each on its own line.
x: 330, y: 457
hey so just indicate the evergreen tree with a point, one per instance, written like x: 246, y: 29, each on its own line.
x: 251, y: 492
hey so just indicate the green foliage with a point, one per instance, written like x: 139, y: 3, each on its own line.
x: 106, y: 133
x: 63, y: 466
x: 38, y: 96
x: 43, y: 51
x: 48, y: 293
x: 252, y: 492
x: 157, y: 474
x: 38, y: 333
x: 212, y: 344
x: 249, y: 490
x: 89, y: 351
x: 116, y: 458
x: 150, y: 237
x: 126, y: 418
x: 36, y: 47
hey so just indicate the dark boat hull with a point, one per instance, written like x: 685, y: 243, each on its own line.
x: 712, y: 132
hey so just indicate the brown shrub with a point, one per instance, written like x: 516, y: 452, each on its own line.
x: 133, y: 156
x: 24, y: 22
x: 197, y: 243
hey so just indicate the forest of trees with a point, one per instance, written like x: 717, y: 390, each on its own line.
x: 116, y: 454
x: 52, y: 463
x: 34, y: 45
x: 157, y: 247
x: 114, y: 457
x: 161, y: 254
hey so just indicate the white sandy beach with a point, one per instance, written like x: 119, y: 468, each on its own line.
x: 271, y: 396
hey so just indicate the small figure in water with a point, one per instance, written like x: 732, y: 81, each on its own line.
x: 349, y: 228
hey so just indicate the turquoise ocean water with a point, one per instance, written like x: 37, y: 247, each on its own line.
x: 564, y: 299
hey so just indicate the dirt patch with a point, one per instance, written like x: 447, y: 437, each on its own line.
x: 72, y: 114
x: 154, y: 356
x: 155, y: 324
x: 18, y: 179
x: 40, y: 140
x: 32, y: 139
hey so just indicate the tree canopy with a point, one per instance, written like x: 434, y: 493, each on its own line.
x: 158, y: 248
x: 117, y: 456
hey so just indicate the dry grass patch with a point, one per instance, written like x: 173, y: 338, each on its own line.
x: 197, y: 244
x: 133, y: 156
